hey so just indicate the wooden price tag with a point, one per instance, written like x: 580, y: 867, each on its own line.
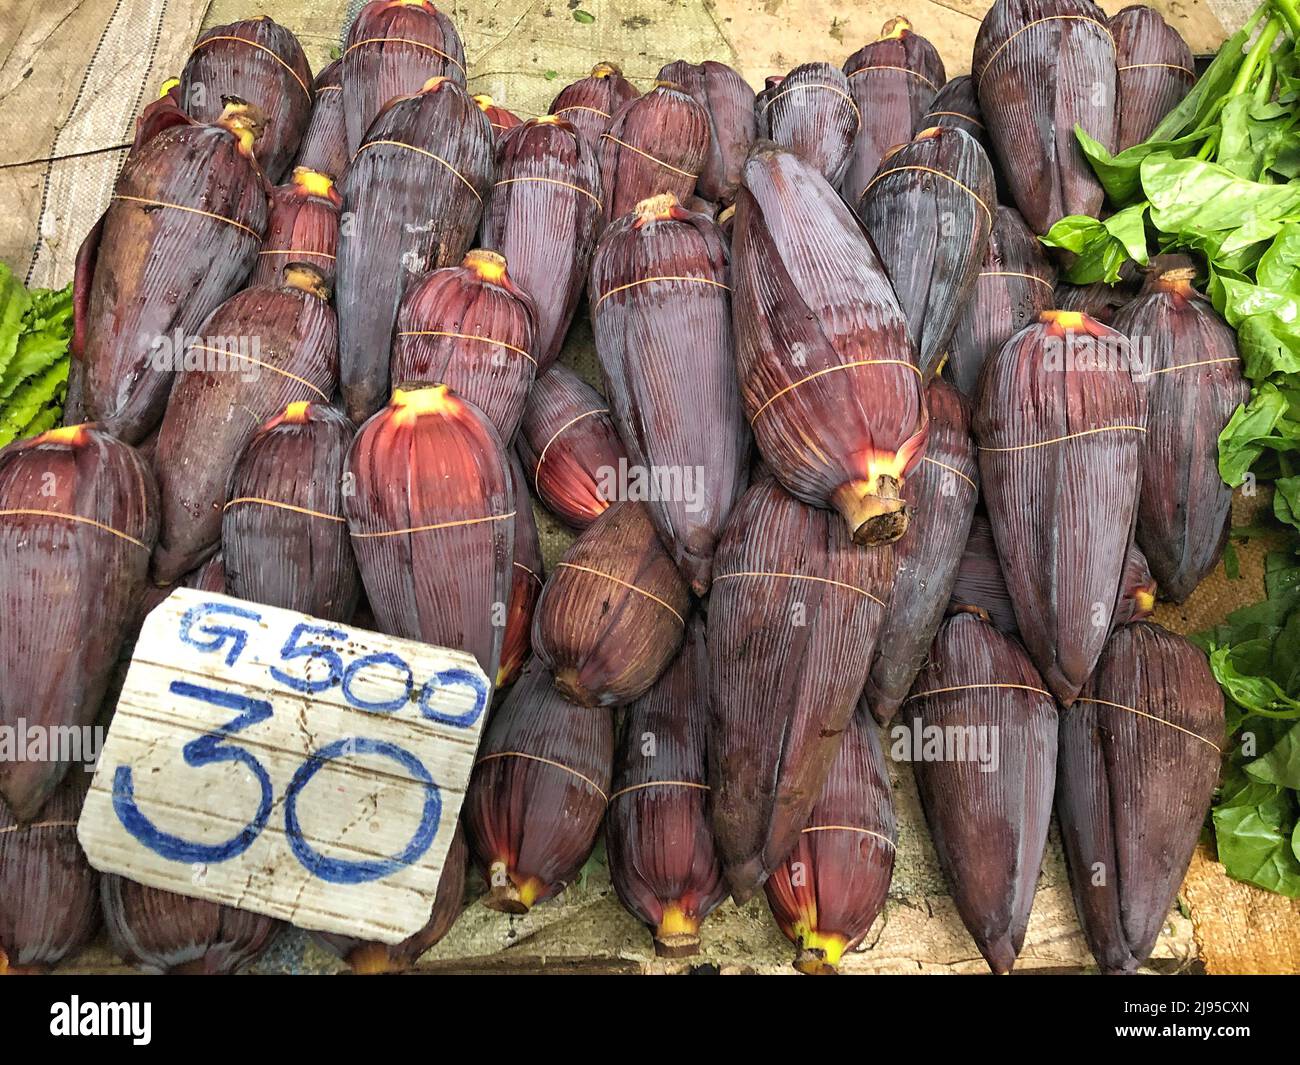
x: 286, y: 765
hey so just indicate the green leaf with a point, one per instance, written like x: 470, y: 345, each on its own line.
x: 1231, y: 564
x: 1281, y: 765
x: 1193, y: 196
x: 30, y: 397
x: 48, y: 418
x: 1220, y: 275
x: 1234, y: 152
x: 1240, y: 244
x: 14, y: 302
x: 1287, y: 163
x: 1270, y: 342
x: 51, y: 308
x: 1073, y: 232
x: 1129, y: 228
x: 1256, y: 693
x: 36, y: 353
x: 1238, y: 789
x: 1241, y: 300
x: 43, y: 338
x: 1275, y: 145
x: 1253, y: 655
x: 1253, y: 135
x: 585, y: 17
x: 1261, y: 622
x: 1279, y: 266
x: 1101, y: 247
x: 1120, y: 175
x: 1286, y: 500
x: 1281, y: 578
x: 551, y: 75
x: 1284, y: 666
x: 1255, y: 841
x: 1248, y: 431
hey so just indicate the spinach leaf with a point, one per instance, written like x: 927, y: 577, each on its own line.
x: 1250, y: 430
x: 1195, y: 196
x: 1281, y: 765
x: 1101, y: 247
x: 1120, y: 174
x: 1279, y: 266
x: 1254, y: 832
x: 1254, y: 692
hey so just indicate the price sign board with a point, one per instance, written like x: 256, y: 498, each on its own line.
x: 286, y: 765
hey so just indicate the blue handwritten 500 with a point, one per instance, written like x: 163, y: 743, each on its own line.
x: 201, y: 628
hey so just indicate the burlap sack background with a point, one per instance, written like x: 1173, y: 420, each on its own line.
x: 78, y: 73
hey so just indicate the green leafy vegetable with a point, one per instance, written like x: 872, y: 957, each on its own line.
x: 1252, y: 429
x: 1120, y: 174
x: 14, y: 302
x: 1255, y: 656
x: 48, y: 418
x: 43, y: 342
x: 1256, y: 834
x: 1191, y: 196
x: 1286, y: 500
x: 35, y: 330
x: 31, y: 398
x: 1102, y: 247
x: 1281, y: 766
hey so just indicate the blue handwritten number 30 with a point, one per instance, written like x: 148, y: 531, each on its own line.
x: 211, y: 748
